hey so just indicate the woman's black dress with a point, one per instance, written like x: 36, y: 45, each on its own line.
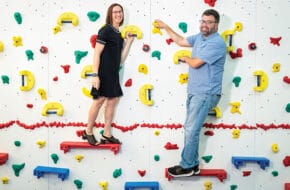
x: 110, y: 61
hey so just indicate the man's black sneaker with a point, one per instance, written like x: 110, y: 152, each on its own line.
x: 178, y: 171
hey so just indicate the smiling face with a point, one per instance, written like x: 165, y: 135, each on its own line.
x: 117, y: 16
x: 208, y: 25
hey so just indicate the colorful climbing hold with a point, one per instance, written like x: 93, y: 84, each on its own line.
x: 156, y: 132
x: 207, y: 159
x: 128, y: 83
x: 182, y: 26
x: 275, y: 41
x: 287, y: 108
x: 275, y: 148
x: 210, y: 2
x: 1, y: 46
x: 78, y: 183
x: 155, y: 29
x: 93, y: 16
x: 65, y: 68
x: 142, y: 68
x: 54, y: 157
x: 276, y: 67
x: 252, y: 46
x: 117, y: 173
x: 275, y: 173
x: 156, y: 157
x: 183, y: 78
x: 5, y: 79
x: 5, y: 180
x: 29, y: 55
x: 79, y: 55
x: 43, y: 49
x: 17, y: 168
x: 41, y: 143
x: 156, y: 54
x: 18, y: 17
x: 236, y: 133
x: 236, y: 81
x: 146, y: 47
x: 207, y: 185
x: 17, y: 41
x: 103, y: 185
x: 233, y: 187
x: 79, y: 157
x: 142, y: 172
x: 17, y: 143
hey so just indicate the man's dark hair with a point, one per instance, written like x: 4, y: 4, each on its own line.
x: 212, y: 12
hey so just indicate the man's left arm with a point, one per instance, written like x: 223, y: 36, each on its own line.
x: 193, y: 62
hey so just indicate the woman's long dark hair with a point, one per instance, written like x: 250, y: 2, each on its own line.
x: 110, y: 13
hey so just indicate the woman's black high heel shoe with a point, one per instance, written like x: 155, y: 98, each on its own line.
x: 91, y: 138
x: 110, y: 140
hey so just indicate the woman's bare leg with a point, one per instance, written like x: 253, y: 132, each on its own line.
x: 109, y: 115
x: 93, y: 114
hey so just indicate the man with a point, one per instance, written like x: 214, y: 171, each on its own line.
x: 206, y: 66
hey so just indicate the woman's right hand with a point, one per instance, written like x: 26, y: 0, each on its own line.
x: 96, y: 82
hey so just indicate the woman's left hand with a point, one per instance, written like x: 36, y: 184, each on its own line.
x: 130, y: 37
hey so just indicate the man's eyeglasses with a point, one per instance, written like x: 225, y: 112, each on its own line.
x: 207, y: 22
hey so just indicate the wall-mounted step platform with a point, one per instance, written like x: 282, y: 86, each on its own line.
x: 62, y: 173
x: 3, y: 158
x: 67, y: 145
x: 219, y: 173
x: 287, y: 186
x: 152, y: 185
x: 240, y: 160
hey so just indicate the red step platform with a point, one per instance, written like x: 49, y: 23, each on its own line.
x: 287, y: 186
x: 219, y: 173
x: 3, y: 158
x: 67, y: 145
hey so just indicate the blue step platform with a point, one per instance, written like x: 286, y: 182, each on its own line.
x: 239, y: 161
x: 39, y: 171
x: 152, y: 185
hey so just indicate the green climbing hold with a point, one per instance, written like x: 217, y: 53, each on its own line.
x: 233, y: 187
x: 29, y: 55
x: 5, y: 79
x: 79, y: 55
x: 275, y: 173
x: 93, y: 16
x: 78, y: 183
x: 17, y: 168
x: 156, y: 157
x: 287, y: 108
x: 54, y: 157
x: 17, y: 143
x: 183, y: 26
x: 117, y: 173
x: 18, y: 17
x: 236, y: 81
x: 156, y: 54
x: 207, y: 159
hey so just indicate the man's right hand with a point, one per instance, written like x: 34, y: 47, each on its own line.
x: 160, y: 24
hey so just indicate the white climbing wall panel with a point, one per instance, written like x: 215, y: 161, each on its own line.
x: 20, y: 111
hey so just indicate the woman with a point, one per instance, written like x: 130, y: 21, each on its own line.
x: 110, y: 51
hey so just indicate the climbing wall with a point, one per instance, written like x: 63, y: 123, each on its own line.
x: 46, y: 49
